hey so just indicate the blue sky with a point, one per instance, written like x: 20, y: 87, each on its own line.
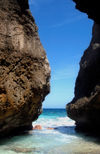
x: 65, y: 33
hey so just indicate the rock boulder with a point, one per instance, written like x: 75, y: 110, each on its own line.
x: 24, y: 68
x: 85, y: 106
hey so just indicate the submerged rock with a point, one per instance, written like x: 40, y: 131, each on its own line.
x: 85, y: 107
x: 24, y: 68
x: 23, y: 150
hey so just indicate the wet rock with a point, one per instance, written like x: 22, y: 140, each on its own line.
x: 37, y: 127
x: 24, y: 68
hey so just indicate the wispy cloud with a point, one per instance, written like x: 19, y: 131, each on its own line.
x: 69, y: 72
x: 33, y: 2
x: 39, y: 2
x: 69, y: 21
x: 71, y: 16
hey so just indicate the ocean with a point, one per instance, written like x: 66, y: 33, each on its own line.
x: 63, y: 139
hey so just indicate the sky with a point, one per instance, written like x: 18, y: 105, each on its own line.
x: 64, y: 33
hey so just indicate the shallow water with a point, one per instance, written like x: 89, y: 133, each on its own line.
x: 62, y: 140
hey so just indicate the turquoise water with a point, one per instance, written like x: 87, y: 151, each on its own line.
x: 53, y: 113
x: 62, y: 140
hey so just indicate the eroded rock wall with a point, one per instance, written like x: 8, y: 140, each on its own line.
x: 90, y: 7
x: 24, y: 68
x: 85, y: 106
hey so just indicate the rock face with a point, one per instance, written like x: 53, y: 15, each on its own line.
x: 89, y: 7
x: 85, y: 106
x: 24, y: 68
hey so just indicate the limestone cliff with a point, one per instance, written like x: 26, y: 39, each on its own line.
x: 85, y: 106
x: 24, y: 68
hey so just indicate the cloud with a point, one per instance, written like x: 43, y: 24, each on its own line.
x: 65, y: 73
x: 32, y: 1
x: 71, y: 15
x: 69, y: 21
x: 39, y: 2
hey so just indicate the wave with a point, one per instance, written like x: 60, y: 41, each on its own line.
x: 61, y: 121
x: 62, y: 126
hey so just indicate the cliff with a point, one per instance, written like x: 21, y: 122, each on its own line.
x: 24, y: 68
x: 85, y: 106
x: 91, y: 8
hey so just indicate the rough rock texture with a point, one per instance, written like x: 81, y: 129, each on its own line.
x: 91, y: 7
x: 24, y: 68
x: 85, y: 106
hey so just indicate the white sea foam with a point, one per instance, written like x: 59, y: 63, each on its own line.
x: 57, y: 122
x: 63, y: 127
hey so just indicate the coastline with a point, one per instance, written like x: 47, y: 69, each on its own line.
x: 63, y: 140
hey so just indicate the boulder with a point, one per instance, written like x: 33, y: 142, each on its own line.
x: 24, y: 68
x: 37, y: 127
x: 85, y: 106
